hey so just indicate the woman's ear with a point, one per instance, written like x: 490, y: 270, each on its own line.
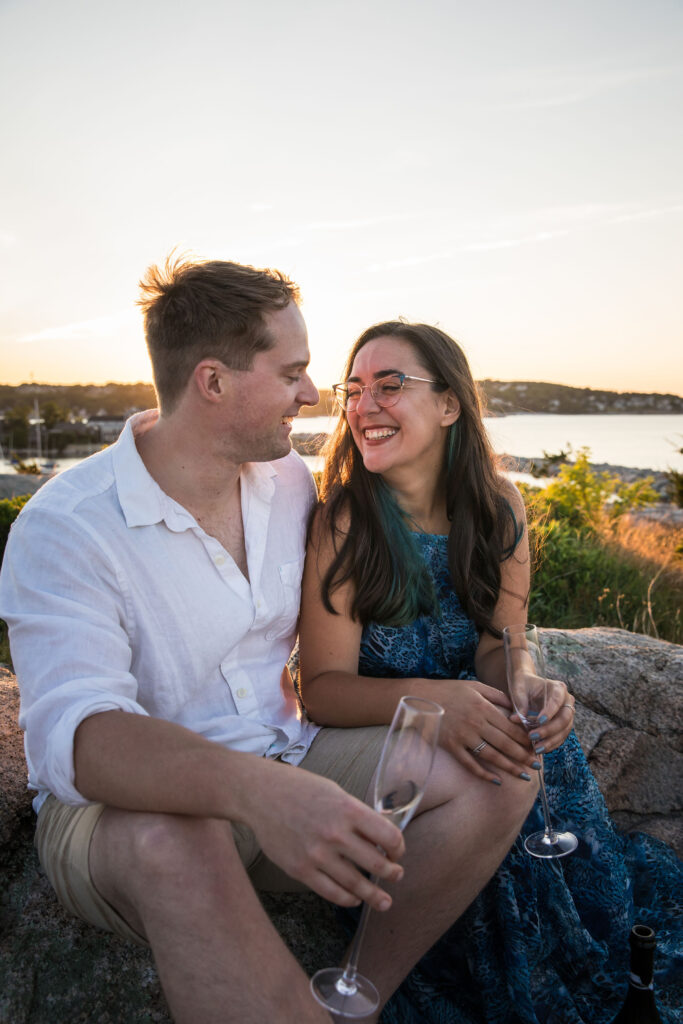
x: 451, y: 408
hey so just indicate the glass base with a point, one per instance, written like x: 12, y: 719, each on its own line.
x: 557, y: 844
x: 355, y: 1001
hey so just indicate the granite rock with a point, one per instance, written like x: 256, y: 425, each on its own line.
x: 53, y: 969
x: 629, y: 720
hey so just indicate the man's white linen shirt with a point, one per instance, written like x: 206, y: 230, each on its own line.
x: 117, y: 599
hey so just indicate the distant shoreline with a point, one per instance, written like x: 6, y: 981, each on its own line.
x: 499, y: 397
x: 16, y: 484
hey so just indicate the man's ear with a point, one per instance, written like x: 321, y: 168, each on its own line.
x: 451, y: 408
x: 210, y: 379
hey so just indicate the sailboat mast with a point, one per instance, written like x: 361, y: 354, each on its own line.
x: 39, y: 446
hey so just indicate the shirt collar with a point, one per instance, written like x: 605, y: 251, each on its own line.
x: 140, y: 496
x: 144, y: 503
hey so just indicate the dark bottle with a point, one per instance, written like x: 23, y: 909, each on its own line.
x: 639, y: 1006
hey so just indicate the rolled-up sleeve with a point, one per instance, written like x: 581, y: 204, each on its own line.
x: 64, y: 600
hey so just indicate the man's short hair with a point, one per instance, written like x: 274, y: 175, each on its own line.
x: 195, y: 310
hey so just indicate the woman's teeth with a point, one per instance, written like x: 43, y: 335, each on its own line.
x: 379, y: 432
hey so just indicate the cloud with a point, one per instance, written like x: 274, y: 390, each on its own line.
x: 511, y: 243
x: 552, y: 223
x: 100, y: 327
x: 364, y: 222
x: 548, y: 223
x: 654, y: 211
x: 548, y: 88
x: 411, y: 261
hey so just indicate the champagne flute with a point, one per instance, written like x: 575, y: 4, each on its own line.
x: 404, y: 767
x: 527, y: 686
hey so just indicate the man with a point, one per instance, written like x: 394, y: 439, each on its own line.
x: 152, y: 597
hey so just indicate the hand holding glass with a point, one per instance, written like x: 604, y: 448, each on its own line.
x: 404, y: 768
x: 528, y: 686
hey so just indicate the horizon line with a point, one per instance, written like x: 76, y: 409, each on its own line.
x: 480, y: 380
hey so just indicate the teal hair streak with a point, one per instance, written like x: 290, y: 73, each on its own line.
x: 411, y: 592
x: 452, y: 445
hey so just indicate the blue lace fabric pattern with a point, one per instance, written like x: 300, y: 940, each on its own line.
x: 546, y: 942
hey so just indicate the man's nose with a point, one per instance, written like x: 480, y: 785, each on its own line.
x: 309, y: 394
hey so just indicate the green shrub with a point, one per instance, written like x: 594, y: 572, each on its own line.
x: 583, y: 576
x: 5, y: 658
x: 582, y: 580
x: 9, y: 510
x: 676, y: 487
x: 587, y: 499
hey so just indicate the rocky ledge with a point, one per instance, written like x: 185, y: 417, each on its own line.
x: 53, y: 970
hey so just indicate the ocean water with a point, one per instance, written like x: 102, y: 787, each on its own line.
x: 641, y: 442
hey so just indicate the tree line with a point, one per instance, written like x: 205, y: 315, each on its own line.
x: 73, y: 403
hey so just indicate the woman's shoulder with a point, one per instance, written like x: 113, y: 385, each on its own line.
x: 513, y: 518
x: 511, y: 495
x: 331, y: 521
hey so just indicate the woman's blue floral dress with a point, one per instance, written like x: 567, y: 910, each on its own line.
x: 545, y: 942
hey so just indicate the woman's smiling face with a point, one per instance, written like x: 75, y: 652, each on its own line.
x: 410, y: 434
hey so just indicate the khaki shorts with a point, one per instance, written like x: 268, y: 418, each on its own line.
x: 63, y: 834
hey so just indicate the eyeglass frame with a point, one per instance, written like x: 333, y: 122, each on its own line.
x: 403, y: 377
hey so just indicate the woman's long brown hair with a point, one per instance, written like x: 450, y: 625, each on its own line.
x: 374, y: 548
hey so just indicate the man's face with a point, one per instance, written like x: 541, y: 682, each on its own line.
x: 265, y: 399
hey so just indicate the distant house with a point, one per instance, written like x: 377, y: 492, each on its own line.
x: 109, y: 426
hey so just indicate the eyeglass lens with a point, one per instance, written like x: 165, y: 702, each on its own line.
x: 385, y: 392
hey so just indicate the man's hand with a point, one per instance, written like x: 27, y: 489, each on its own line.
x: 325, y: 838
x: 304, y: 823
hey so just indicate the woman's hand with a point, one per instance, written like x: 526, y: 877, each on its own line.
x: 556, y: 719
x: 479, y: 714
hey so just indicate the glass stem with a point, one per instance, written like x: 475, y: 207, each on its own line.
x: 351, y: 969
x: 544, y: 803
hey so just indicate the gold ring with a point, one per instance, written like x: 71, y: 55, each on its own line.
x: 570, y: 706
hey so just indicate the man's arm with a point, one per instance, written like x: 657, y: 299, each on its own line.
x: 306, y: 824
x: 89, y: 738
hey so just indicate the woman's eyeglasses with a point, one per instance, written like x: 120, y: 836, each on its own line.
x: 385, y: 391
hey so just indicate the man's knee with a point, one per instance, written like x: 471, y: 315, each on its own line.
x: 153, y: 851
x: 504, y: 806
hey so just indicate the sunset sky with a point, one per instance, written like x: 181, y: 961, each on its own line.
x: 510, y: 171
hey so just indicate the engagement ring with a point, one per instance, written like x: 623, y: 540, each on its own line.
x: 479, y: 747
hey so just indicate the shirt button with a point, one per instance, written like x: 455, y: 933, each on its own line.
x: 219, y: 559
x: 242, y: 692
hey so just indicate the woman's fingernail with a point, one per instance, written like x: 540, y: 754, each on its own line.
x: 496, y: 782
x: 534, y: 736
x: 532, y: 714
x: 540, y: 750
x: 385, y: 904
x: 542, y: 719
x: 523, y: 775
x: 537, y: 765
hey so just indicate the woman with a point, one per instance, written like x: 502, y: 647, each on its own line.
x: 418, y: 558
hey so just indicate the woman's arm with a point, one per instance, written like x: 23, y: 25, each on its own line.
x: 512, y: 606
x: 329, y: 645
x: 335, y: 695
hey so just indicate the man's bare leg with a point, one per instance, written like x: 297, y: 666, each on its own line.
x: 179, y: 881
x: 465, y: 828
